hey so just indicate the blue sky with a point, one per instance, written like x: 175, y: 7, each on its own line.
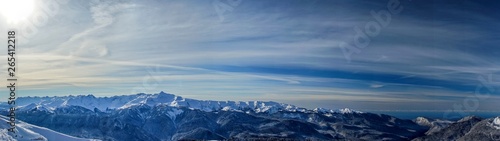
x: 430, y: 56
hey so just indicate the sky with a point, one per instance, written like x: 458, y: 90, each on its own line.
x: 385, y: 55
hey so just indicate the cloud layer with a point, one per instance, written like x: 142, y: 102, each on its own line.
x: 429, y: 56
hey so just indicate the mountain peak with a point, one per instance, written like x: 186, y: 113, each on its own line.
x: 423, y: 121
x: 348, y: 111
x: 496, y: 123
x: 469, y: 118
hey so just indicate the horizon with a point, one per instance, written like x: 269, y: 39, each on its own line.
x: 364, y: 55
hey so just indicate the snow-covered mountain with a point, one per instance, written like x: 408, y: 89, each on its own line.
x: 28, y: 132
x: 125, y: 101
x: 165, y: 116
x: 435, y: 125
x: 469, y: 128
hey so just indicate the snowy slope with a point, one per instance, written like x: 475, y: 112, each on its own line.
x: 496, y: 123
x: 26, y: 132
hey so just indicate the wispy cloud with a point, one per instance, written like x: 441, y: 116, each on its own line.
x: 264, y: 50
x: 376, y: 86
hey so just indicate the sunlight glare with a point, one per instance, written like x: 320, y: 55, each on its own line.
x: 16, y: 10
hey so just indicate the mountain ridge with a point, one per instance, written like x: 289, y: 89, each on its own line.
x: 123, y: 101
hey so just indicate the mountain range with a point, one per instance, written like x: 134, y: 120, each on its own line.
x: 164, y: 116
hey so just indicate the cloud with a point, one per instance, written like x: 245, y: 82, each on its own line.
x: 91, y: 49
x: 376, y: 86
x: 86, y: 42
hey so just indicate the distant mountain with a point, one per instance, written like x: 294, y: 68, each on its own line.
x: 435, y: 125
x: 165, y: 116
x: 126, y: 101
x: 28, y: 132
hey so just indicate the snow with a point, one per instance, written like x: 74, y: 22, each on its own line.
x: 423, y: 121
x: 292, y: 115
x: 435, y: 125
x: 4, y: 135
x: 466, y: 118
x: 320, y: 110
x: 229, y: 108
x: 347, y: 111
x: 173, y: 114
x: 52, y: 135
x: 328, y: 115
x: 37, y: 107
x: 496, y: 123
x: 27, y: 132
